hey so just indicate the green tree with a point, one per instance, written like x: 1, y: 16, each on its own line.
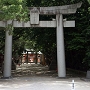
x: 76, y: 39
x: 2, y: 40
x: 44, y: 39
x: 13, y: 10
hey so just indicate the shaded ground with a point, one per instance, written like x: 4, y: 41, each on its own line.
x: 33, y: 70
x: 39, y: 70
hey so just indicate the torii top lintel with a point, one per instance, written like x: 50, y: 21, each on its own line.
x: 34, y: 16
x: 66, y: 9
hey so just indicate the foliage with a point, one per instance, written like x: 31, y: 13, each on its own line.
x: 2, y: 40
x: 43, y: 3
x: 88, y: 1
x: 13, y: 10
x: 77, y: 39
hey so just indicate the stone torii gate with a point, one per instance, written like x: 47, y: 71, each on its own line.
x: 59, y: 23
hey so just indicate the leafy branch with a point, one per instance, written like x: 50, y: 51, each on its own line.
x: 13, y: 10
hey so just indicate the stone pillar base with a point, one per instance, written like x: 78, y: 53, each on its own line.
x: 10, y: 77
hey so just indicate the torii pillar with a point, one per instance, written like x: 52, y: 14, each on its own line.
x: 59, y: 11
x: 60, y: 47
x: 7, y: 55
